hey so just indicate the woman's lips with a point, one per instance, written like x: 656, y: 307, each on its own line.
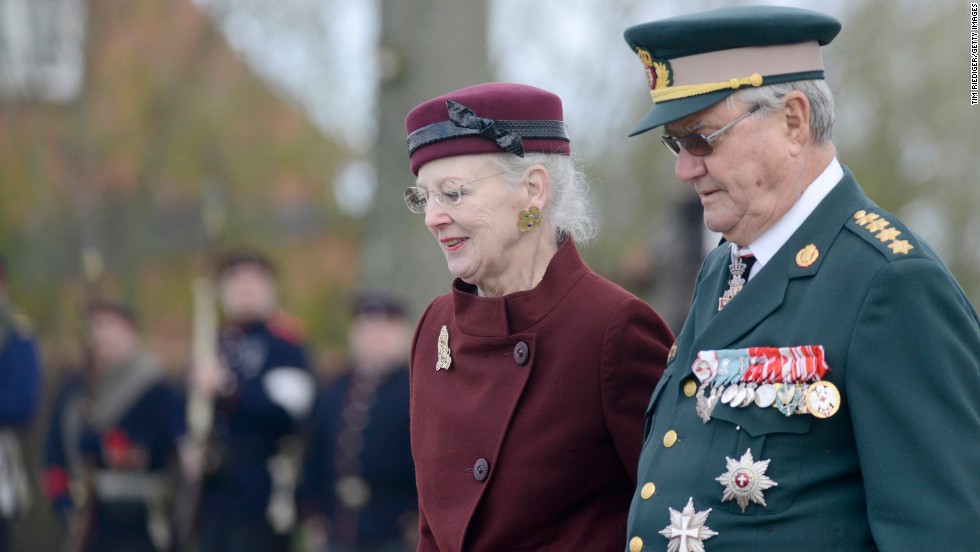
x: 453, y: 244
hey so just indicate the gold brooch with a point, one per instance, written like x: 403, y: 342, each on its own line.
x: 443, y: 348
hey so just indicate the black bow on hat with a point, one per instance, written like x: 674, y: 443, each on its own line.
x: 464, y: 117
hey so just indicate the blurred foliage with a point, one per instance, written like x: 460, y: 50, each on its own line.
x: 169, y: 120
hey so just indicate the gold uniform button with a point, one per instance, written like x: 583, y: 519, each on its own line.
x: 647, y: 491
x: 636, y: 544
x: 690, y: 388
x: 670, y: 438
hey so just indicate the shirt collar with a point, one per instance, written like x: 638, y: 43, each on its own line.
x: 766, y: 245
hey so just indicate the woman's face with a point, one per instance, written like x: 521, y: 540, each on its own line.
x: 477, y: 235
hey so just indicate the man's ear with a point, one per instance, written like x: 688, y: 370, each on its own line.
x: 796, y: 114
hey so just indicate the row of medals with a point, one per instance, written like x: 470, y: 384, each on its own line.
x: 788, y: 398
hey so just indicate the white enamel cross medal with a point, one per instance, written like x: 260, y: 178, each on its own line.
x: 444, y: 360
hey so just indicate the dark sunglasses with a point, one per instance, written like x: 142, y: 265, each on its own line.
x: 699, y: 144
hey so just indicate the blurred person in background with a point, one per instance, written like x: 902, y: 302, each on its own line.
x: 359, y: 488
x: 263, y: 391
x: 20, y: 391
x: 529, y: 379
x: 823, y: 395
x: 108, y: 458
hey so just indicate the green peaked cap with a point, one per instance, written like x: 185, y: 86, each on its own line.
x: 696, y: 60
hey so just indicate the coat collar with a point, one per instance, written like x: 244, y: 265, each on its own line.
x: 767, y: 289
x: 516, y: 312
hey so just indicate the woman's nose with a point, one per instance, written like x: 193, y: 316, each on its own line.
x: 436, y: 215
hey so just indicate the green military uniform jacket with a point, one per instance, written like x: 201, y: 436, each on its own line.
x: 897, y: 467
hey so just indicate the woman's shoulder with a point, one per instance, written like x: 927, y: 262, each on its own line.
x: 607, y: 291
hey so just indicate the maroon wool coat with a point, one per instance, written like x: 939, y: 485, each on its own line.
x: 530, y: 439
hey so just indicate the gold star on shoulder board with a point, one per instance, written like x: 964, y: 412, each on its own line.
x: 901, y: 246
x: 877, y: 225
x: 888, y: 234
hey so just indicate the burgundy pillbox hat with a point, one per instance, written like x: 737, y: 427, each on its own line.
x: 486, y: 118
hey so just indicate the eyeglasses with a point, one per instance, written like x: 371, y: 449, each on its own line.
x: 417, y: 199
x: 699, y: 144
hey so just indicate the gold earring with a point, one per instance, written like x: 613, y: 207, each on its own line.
x: 529, y: 218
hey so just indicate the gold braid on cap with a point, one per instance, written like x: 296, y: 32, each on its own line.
x: 678, y: 92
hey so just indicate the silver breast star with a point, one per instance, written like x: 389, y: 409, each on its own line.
x: 687, y: 529
x: 745, y: 480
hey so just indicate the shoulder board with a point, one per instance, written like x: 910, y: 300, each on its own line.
x: 885, y: 232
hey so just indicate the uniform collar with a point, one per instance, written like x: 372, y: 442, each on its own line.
x: 719, y: 329
x: 766, y: 245
x: 516, y: 312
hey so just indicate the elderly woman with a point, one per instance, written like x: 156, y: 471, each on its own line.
x: 530, y: 378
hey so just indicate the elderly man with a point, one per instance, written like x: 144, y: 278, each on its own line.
x: 822, y: 394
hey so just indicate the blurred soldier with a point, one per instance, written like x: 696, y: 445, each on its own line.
x: 20, y: 383
x: 359, y: 490
x: 263, y: 391
x: 111, y: 440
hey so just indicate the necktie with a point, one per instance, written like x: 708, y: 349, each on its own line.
x: 742, y: 260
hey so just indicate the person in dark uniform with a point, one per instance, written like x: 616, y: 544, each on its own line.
x: 359, y: 476
x: 111, y: 446
x: 529, y: 378
x: 263, y: 392
x: 823, y: 392
x: 20, y: 392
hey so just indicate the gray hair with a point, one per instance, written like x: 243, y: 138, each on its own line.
x: 769, y: 99
x: 569, y: 207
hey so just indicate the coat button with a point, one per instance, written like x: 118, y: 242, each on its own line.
x: 690, y: 388
x: 521, y: 353
x: 481, y: 469
x: 636, y: 544
x: 648, y: 490
x: 670, y: 438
